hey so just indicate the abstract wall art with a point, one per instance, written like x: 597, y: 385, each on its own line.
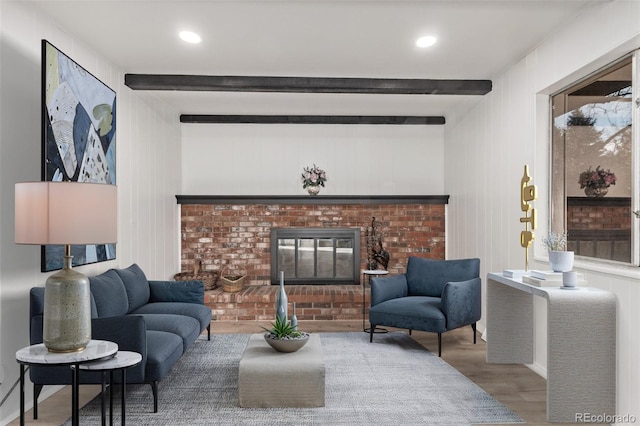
x: 79, y: 139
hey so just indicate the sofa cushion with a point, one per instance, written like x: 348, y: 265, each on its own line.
x: 199, y: 312
x: 412, y: 312
x: 177, y: 291
x: 184, y: 326
x: 427, y: 277
x: 136, y: 284
x: 109, y: 294
x: 163, y: 351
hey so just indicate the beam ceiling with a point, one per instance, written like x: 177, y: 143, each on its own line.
x: 306, y: 84
x: 395, y: 86
x: 313, y: 119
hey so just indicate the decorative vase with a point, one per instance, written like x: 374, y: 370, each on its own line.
x: 561, y: 261
x: 595, y: 192
x: 294, y: 318
x: 281, y: 300
x: 313, y: 189
x: 67, y: 310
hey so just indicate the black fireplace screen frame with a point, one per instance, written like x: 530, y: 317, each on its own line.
x: 352, y: 234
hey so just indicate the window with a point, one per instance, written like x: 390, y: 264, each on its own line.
x: 593, y: 165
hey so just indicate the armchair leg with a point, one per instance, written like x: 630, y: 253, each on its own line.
x: 440, y: 344
x: 209, y: 332
x: 409, y: 332
x: 473, y: 326
x: 371, y: 331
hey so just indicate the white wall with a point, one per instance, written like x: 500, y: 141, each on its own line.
x: 267, y: 159
x: 148, y: 175
x: 508, y: 129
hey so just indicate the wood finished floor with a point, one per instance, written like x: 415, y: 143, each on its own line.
x: 516, y: 386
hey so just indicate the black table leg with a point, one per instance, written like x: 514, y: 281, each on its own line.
x: 21, y: 394
x: 103, y: 399
x: 124, y: 392
x: 35, y: 402
x: 111, y: 397
x: 75, y: 390
x: 364, y: 307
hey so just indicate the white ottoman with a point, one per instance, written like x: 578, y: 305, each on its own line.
x: 267, y: 378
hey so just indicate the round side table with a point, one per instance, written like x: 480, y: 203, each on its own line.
x: 367, y: 274
x: 121, y: 361
x: 40, y: 355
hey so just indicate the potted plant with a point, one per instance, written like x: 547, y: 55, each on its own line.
x: 559, y: 259
x: 596, y: 182
x: 284, y: 337
x: 313, y: 178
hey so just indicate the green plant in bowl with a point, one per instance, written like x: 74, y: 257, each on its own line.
x: 283, y: 337
x: 282, y: 329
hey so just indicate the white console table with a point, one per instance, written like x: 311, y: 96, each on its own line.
x: 581, y: 342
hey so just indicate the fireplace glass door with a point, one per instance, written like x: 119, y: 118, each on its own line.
x: 315, y: 256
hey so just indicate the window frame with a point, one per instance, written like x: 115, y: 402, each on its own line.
x: 557, y: 179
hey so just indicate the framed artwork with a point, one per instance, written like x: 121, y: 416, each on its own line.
x: 79, y: 139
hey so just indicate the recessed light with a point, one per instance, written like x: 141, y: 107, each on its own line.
x: 190, y: 37
x: 426, y: 41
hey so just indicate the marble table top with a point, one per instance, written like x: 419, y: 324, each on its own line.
x: 375, y: 272
x: 122, y: 359
x: 39, y: 354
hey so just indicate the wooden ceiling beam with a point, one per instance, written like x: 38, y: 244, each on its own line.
x: 312, y: 119
x: 306, y: 84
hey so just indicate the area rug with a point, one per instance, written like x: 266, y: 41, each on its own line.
x: 392, y: 381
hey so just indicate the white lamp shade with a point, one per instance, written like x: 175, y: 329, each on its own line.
x: 66, y: 213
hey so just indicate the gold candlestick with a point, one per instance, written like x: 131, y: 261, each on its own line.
x: 528, y: 193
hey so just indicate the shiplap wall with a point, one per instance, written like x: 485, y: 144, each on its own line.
x: 148, y: 175
x: 507, y: 129
x: 267, y: 159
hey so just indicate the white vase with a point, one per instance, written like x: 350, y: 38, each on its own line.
x: 561, y: 261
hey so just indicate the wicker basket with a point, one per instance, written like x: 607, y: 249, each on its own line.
x: 232, y: 283
x: 208, y: 278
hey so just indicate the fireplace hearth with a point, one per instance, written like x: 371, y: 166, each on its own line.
x: 315, y: 255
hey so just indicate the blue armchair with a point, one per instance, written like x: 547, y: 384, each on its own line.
x: 433, y: 295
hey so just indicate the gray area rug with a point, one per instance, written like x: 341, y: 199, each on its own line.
x: 392, y: 381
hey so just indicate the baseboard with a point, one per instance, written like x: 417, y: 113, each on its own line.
x: 538, y: 369
x: 483, y: 331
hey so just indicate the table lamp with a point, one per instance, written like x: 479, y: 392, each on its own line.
x: 66, y: 213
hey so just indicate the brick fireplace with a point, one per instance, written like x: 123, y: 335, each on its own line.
x: 232, y: 233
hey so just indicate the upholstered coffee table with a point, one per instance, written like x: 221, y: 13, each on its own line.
x: 267, y: 378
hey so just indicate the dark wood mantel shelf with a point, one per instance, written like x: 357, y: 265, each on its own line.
x: 317, y: 200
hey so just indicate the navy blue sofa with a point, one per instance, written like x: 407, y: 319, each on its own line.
x: 433, y: 295
x: 158, y: 319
